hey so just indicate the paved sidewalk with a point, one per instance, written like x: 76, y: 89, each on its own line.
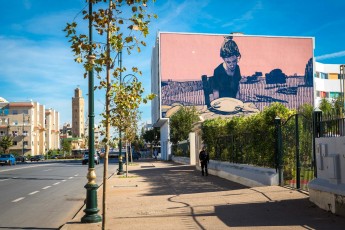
x: 166, y: 195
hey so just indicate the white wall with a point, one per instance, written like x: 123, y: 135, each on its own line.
x: 165, y: 143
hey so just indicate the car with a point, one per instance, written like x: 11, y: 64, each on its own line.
x: 21, y: 158
x: 56, y: 156
x: 7, y: 159
x: 37, y: 158
x: 86, y: 158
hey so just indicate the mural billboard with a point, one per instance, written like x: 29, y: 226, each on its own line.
x: 231, y: 74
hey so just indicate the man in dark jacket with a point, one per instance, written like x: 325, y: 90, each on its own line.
x: 204, y: 160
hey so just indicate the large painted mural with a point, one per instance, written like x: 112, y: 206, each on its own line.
x: 228, y: 75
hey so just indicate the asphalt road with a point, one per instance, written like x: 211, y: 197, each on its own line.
x: 44, y: 195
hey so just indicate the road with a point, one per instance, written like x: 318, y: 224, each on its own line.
x: 44, y: 195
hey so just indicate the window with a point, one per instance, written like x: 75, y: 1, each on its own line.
x: 15, y: 122
x: 14, y: 142
x: 318, y: 93
x: 25, y: 143
x: 2, y: 133
x: 25, y: 111
x: 25, y: 133
x: 14, y: 133
x: 322, y: 94
x: 317, y: 74
x: 323, y: 75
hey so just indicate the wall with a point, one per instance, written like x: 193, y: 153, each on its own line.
x: 247, y: 175
x: 328, y: 189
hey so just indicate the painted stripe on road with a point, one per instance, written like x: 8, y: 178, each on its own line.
x: 76, y: 175
x: 34, y: 192
x: 57, y: 183
x: 33, y: 166
x: 46, y: 187
x: 63, y: 180
x: 4, y: 179
x: 19, y: 199
x: 70, y: 177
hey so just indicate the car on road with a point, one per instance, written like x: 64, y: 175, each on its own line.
x: 86, y: 158
x: 21, y: 158
x: 7, y: 159
x: 37, y: 158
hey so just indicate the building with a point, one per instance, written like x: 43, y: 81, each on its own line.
x: 189, y: 70
x: 328, y: 81
x: 78, y: 117
x: 33, y: 128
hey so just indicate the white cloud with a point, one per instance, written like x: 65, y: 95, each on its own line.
x: 331, y: 55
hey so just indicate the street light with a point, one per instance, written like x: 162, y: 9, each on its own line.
x: 23, y: 150
x: 91, y: 187
x: 120, y: 170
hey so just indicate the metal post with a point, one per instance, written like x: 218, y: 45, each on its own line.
x: 317, y: 114
x: 120, y: 170
x: 23, y: 137
x: 279, y: 155
x: 91, y: 187
x: 298, y: 163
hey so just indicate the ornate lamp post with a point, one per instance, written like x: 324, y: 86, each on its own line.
x: 120, y: 170
x: 91, y: 187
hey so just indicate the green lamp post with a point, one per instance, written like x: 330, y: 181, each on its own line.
x: 91, y: 210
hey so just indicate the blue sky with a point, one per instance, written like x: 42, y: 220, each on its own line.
x: 37, y: 64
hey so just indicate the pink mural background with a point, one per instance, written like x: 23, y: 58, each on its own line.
x: 186, y: 57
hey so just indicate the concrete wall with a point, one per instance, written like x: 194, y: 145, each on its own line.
x: 328, y: 189
x: 247, y: 175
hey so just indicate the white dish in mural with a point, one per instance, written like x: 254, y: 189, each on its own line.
x: 227, y: 104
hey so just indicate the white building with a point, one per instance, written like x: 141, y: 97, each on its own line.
x: 327, y: 82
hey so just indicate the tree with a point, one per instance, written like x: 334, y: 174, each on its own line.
x: 6, y: 142
x: 181, y: 123
x: 120, y: 26
x: 152, y: 136
x: 66, y: 145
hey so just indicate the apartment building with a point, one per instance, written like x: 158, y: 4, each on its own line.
x: 33, y: 128
x: 329, y: 82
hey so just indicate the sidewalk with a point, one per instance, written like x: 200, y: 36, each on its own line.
x: 166, y: 195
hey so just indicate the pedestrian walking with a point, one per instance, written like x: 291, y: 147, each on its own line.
x: 204, y: 160
x: 155, y: 154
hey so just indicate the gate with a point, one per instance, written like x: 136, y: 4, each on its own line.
x: 295, y: 151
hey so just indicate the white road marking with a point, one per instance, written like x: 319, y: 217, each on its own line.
x: 47, y: 170
x: 76, y: 175
x: 46, y: 187
x: 33, y: 166
x: 4, y: 179
x: 19, y: 199
x: 34, y: 192
x: 57, y: 183
x: 70, y: 178
x: 63, y: 180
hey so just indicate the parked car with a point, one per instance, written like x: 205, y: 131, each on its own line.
x: 56, y: 156
x: 86, y: 158
x: 37, y: 158
x: 21, y: 158
x: 7, y: 159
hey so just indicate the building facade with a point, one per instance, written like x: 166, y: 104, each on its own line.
x: 78, y: 119
x: 329, y: 82
x: 33, y: 129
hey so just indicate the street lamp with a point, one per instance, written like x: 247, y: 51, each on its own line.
x: 91, y: 187
x: 120, y: 170
x: 23, y: 134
